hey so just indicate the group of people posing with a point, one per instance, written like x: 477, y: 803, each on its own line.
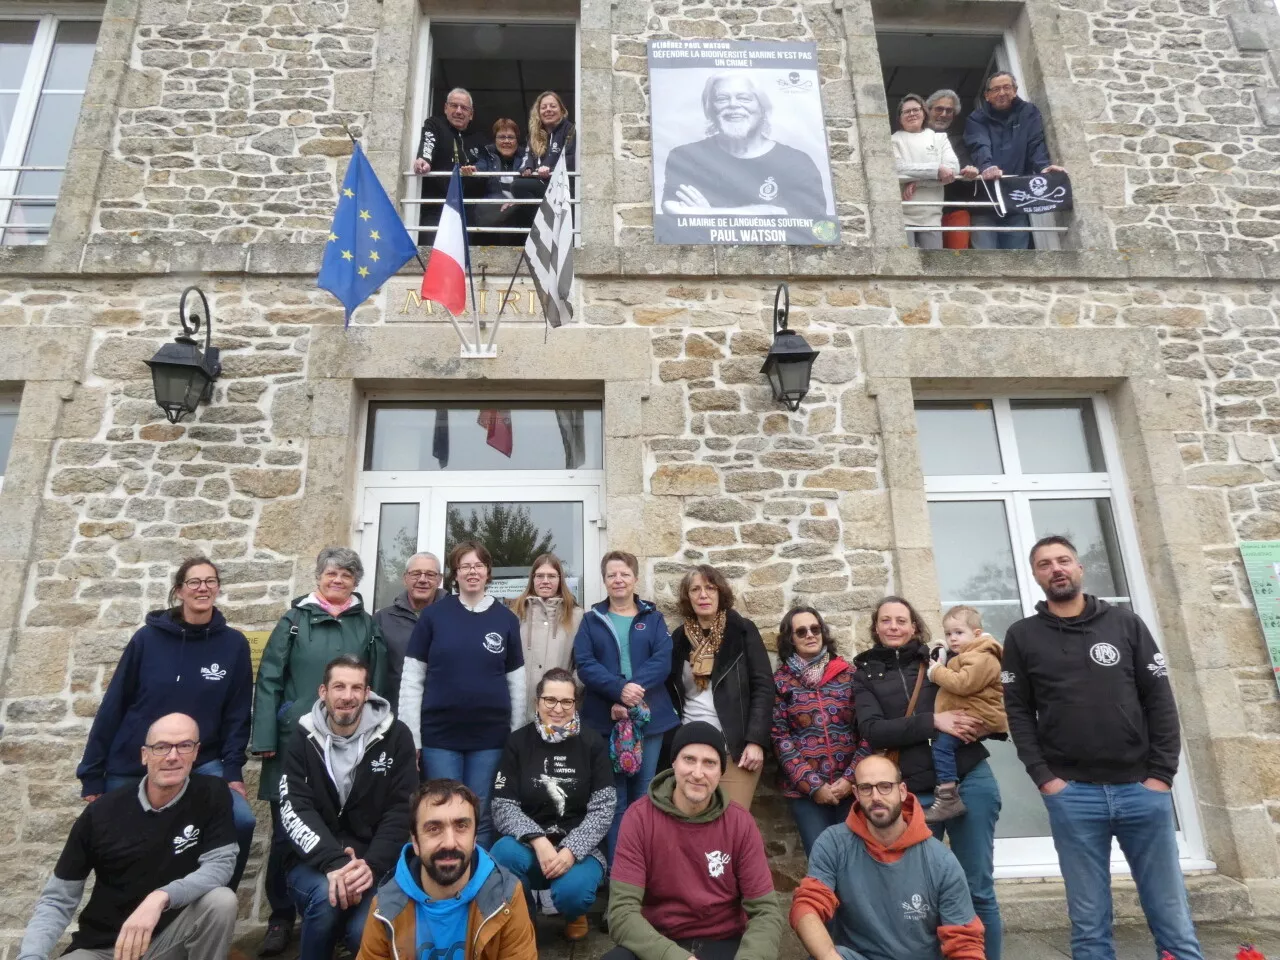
x: 439, y: 769
x: 520, y: 169
x: 1003, y: 137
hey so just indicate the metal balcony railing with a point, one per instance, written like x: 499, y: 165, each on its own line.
x: 473, y: 229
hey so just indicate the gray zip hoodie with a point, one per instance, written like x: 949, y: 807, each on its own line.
x: 341, y: 754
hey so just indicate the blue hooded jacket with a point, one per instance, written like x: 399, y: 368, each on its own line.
x: 599, y: 663
x: 171, y: 667
x: 1012, y: 139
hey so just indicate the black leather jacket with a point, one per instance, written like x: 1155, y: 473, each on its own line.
x: 741, y: 683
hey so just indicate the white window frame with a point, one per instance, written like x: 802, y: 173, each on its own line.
x: 422, y: 106
x: 1035, y: 856
x: 24, y: 114
x: 7, y: 407
x: 434, y: 487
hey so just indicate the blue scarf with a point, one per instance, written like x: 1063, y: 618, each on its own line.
x: 442, y: 924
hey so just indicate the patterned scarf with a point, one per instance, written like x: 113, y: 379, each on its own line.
x: 332, y: 609
x: 702, y: 657
x: 809, y: 672
x: 558, y: 734
x: 626, y: 742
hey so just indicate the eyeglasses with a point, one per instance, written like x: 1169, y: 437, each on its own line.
x: 470, y: 567
x: 914, y: 112
x: 423, y: 575
x: 196, y: 583
x: 161, y: 750
x: 546, y: 576
x: 941, y: 109
x: 1003, y: 88
x: 802, y: 632
x: 884, y: 788
x: 509, y: 137
x: 551, y: 703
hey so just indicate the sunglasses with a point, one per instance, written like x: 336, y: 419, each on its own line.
x: 802, y: 632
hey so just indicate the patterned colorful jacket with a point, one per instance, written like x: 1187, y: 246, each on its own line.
x: 815, y: 731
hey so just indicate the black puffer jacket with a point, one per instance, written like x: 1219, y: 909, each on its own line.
x: 882, y: 686
x: 741, y: 683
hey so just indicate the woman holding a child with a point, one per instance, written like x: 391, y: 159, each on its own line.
x: 895, y: 704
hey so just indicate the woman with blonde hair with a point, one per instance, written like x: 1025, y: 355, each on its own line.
x: 549, y: 617
x: 551, y: 133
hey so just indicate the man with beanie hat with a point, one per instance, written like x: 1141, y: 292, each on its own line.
x: 690, y: 878
x: 447, y: 899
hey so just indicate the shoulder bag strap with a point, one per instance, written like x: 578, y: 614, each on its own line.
x: 915, y: 694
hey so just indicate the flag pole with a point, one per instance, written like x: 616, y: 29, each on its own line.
x: 493, y: 334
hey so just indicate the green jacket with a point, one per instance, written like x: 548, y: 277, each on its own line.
x: 292, y: 670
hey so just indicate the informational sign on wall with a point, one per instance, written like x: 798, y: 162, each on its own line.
x: 257, y: 644
x: 1262, y: 566
x: 739, y: 144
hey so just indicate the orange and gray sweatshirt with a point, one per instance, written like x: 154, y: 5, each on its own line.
x: 905, y: 901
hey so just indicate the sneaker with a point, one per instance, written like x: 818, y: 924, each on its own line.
x: 946, y: 804
x: 277, y: 939
x: 577, y: 928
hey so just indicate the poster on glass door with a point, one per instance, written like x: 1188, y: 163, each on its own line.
x: 739, y: 144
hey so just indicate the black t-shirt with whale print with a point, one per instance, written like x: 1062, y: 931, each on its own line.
x: 133, y: 852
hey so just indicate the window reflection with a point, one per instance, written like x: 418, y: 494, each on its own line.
x: 957, y: 437
x: 1086, y: 522
x: 516, y: 436
x: 1057, y: 436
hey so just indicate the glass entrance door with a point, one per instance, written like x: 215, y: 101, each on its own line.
x: 515, y: 522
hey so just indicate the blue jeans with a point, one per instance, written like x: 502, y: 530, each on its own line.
x: 1084, y: 817
x: 812, y: 818
x: 322, y: 924
x: 1000, y: 241
x: 973, y: 838
x: 944, y: 757
x: 573, y: 892
x: 632, y: 787
x: 241, y: 814
x: 475, y: 768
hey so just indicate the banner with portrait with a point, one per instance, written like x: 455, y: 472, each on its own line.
x: 739, y: 144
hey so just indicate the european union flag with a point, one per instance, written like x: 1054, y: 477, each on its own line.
x: 367, y: 241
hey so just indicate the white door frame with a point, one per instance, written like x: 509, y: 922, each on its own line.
x: 433, y: 490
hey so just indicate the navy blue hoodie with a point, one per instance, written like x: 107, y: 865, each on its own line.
x: 1012, y: 139
x: 173, y: 667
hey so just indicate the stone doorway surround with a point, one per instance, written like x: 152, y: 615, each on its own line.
x: 342, y: 364
x: 1149, y: 408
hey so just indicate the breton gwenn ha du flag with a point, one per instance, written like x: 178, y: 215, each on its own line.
x: 550, y: 249
x: 445, y: 281
x: 367, y: 241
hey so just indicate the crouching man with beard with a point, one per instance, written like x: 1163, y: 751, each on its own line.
x: 447, y: 900
x: 881, y: 887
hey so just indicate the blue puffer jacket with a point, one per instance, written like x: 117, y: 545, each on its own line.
x: 1012, y: 140
x: 595, y: 651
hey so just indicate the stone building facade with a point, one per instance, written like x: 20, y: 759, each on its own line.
x: 209, y: 148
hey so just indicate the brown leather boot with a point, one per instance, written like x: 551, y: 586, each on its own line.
x: 577, y: 928
x: 946, y: 804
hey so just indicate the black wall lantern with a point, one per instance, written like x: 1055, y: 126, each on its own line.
x: 181, y: 372
x: 790, y: 359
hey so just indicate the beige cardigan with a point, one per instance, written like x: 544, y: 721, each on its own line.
x: 546, y: 642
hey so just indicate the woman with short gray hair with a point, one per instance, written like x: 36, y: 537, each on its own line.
x: 329, y: 621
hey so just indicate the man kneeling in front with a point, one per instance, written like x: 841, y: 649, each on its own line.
x: 690, y: 877
x: 162, y: 854
x: 893, y: 891
x: 447, y: 900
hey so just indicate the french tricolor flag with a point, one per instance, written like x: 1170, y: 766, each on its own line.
x: 445, y: 281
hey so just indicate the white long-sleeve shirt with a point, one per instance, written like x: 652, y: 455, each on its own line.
x: 917, y: 156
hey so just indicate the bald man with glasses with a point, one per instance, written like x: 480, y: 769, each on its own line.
x: 422, y: 587
x: 162, y: 854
